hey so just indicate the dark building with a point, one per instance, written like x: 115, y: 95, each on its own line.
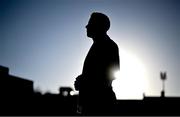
x: 14, y: 86
x: 16, y: 93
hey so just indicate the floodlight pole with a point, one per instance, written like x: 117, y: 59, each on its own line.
x: 163, y: 78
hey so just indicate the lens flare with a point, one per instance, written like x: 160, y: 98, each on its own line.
x: 130, y: 82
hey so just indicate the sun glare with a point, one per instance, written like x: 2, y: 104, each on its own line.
x: 130, y: 81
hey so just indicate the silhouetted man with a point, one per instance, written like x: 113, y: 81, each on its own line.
x: 94, y: 84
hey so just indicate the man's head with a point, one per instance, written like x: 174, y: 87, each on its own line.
x: 98, y: 24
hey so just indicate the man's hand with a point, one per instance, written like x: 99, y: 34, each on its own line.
x: 78, y: 82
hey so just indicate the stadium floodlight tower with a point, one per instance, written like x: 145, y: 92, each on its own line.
x: 163, y: 78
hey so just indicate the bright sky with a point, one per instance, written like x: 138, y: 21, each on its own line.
x: 45, y: 41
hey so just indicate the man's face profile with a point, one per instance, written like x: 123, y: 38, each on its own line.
x: 91, y: 28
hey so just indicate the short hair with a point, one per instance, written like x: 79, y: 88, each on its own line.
x: 100, y: 20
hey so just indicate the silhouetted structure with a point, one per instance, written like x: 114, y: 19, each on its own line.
x: 94, y: 84
x: 163, y: 78
x: 150, y: 105
x: 65, y: 91
x: 14, y: 86
x: 21, y: 100
x: 15, y: 92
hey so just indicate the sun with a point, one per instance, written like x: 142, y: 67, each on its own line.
x: 130, y: 82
